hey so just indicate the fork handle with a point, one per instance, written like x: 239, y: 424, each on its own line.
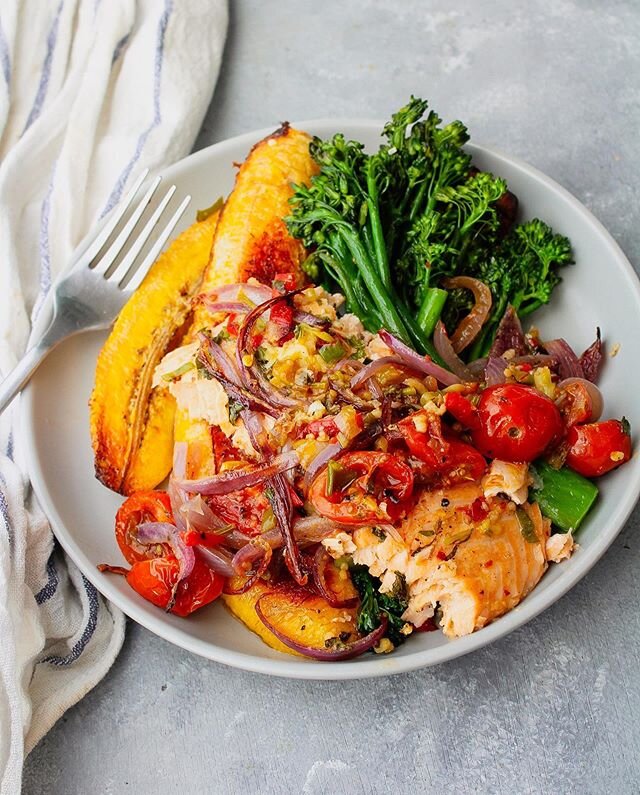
x: 21, y: 373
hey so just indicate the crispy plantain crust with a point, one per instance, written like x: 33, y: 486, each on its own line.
x: 131, y: 424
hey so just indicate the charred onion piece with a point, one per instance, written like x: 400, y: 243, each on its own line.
x: 238, y: 479
x: 469, y: 327
x: 326, y: 655
x: 445, y: 348
x: 418, y: 362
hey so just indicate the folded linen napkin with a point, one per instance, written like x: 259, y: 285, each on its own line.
x: 91, y: 92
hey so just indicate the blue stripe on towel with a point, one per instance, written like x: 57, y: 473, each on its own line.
x: 5, y: 60
x: 48, y: 590
x: 4, y: 509
x: 87, y: 634
x: 116, y: 193
x: 10, y: 445
x: 45, y: 246
x: 41, y: 94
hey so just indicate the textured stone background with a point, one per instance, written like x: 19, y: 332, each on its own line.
x: 553, y: 708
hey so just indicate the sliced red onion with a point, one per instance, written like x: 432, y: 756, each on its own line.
x: 177, y: 496
x: 309, y: 319
x: 326, y: 655
x: 217, y: 559
x: 165, y: 533
x: 509, y: 335
x: 255, y: 429
x: 329, y: 453
x: 421, y: 363
x: 375, y: 388
x: 256, y: 293
x: 237, y: 479
x: 477, y: 367
x: 252, y: 377
x: 568, y: 364
x: 470, y: 326
x: 283, y: 512
x: 312, y: 529
x: 595, y: 395
x: 199, y: 516
x: 446, y: 350
x: 245, y: 557
x: 213, y: 353
x: 494, y: 370
x: 591, y: 360
x: 369, y: 370
x: 235, y: 307
x: 321, y: 560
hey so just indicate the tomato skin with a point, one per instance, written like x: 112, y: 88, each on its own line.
x: 244, y: 510
x: 316, y: 427
x: 516, y: 423
x: 143, y: 506
x: 592, y: 445
x: 355, y: 504
x: 154, y: 581
x: 462, y: 409
x: 447, y: 459
x: 288, y: 280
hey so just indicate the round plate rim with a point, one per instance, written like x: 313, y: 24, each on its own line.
x: 360, y: 668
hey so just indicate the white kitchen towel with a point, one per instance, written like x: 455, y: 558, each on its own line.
x: 91, y: 92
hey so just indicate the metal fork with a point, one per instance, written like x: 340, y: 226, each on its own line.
x: 86, y: 297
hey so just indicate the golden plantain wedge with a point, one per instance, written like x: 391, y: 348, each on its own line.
x: 252, y: 239
x: 131, y: 425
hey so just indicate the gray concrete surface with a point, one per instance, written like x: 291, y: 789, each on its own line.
x: 555, y: 707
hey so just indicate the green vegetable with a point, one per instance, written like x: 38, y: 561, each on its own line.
x: 235, y: 408
x: 202, y: 215
x: 175, y: 374
x: 386, y: 228
x: 332, y: 353
x: 374, y: 604
x: 339, y: 477
x: 563, y: 496
x: 526, y: 526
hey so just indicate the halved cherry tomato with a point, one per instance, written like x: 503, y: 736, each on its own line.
x: 317, y: 427
x: 282, y: 315
x: 155, y: 579
x: 579, y: 402
x: 143, y: 506
x: 598, y: 447
x: 461, y: 408
x: 515, y: 423
x: 288, y: 280
x: 371, y: 487
x: 446, y: 458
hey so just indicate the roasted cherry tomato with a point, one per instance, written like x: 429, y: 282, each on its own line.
x: 579, y: 401
x: 144, y: 506
x: 461, y: 408
x: 515, y: 423
x: 598, y: 447
x: 363, y: 487
x: 282, y: 315
x: 445, y: 458
x: 155, y: 579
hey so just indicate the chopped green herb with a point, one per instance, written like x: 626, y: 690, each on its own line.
x: 235, y: 407
x: 332, y: 353
x: 338, y: 477
x: 221, y: 336
x: 526, y: 526
x: 374, y: 604
x: 175, y: 374
x: 202, y: 215
x: 379, y: 533
x: 359, y: 348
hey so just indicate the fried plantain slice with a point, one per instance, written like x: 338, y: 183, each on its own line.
x: 131, y: 425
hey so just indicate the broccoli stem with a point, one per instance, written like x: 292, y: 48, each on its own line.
x: 564, y: 497
x: 377, y: 234
x: 430, y: 309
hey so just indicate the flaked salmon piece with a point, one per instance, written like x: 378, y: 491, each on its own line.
x: 461, y: 553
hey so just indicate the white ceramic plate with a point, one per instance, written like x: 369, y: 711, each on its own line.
x: 601, y: 289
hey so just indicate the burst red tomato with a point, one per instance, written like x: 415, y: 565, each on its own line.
x: 363, y: 487
x: 513, y: 422
x: 155, y: 580
x: 144, y: 506
x: 243, y: 509
x: 446, y: 458
x: 598, y: 447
